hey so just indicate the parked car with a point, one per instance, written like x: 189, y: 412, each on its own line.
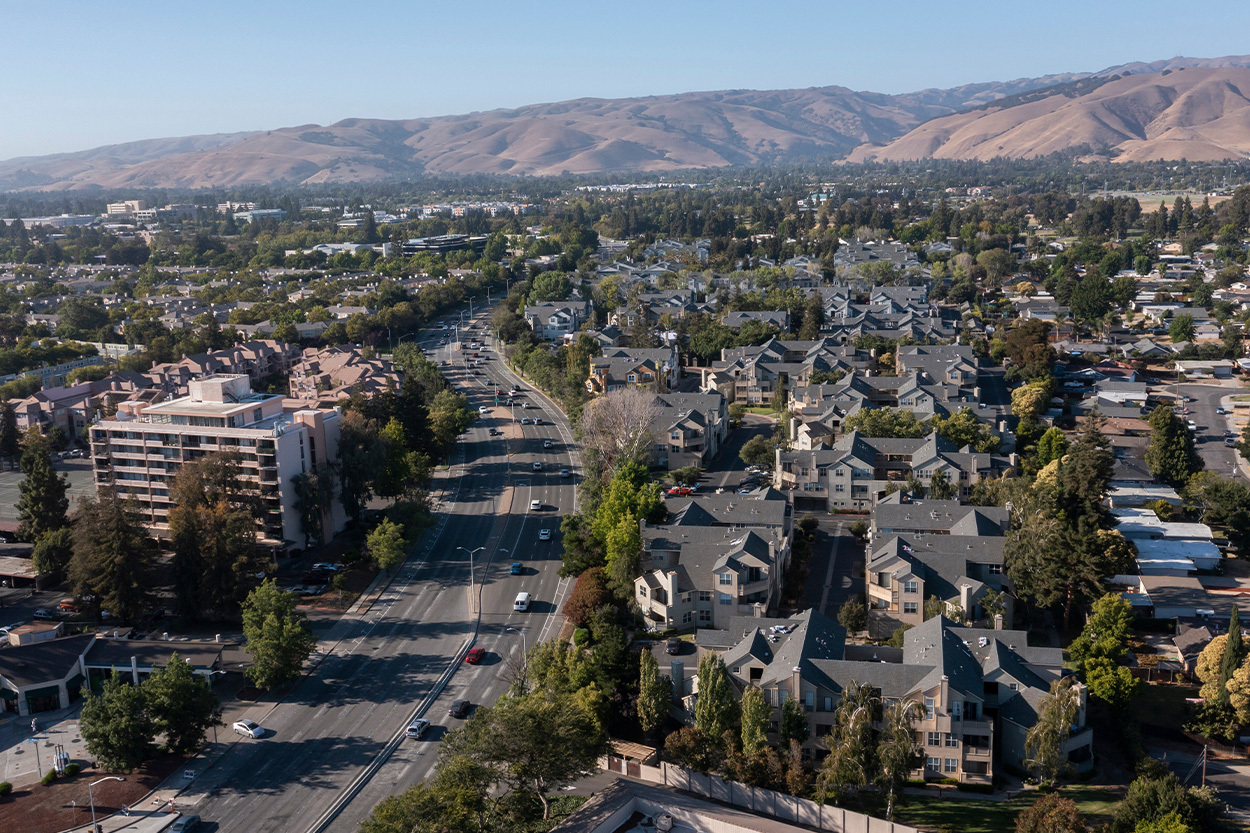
x: 1219, y: 409
x: 249, y: 728
x: 460, y: 708
x: 475, y: 656
x: 672, y: 646
x: 417, y: 728
x: 1231, y: 442
x: 326, y: 566
x: 482, y: 409
x: 44, y: 613
x: 680, y: 491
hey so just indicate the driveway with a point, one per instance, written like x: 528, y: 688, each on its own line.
x: 726, y: 470
x: 831, y: 575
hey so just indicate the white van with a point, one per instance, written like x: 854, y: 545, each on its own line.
x: 522, y: 601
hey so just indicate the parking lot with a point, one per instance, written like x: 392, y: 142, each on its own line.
x: 80, y: 485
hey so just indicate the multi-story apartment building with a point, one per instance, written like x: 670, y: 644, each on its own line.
x: 627, y: 367
x: 138, y: 452
x: 692, y: 428
x: 979, y: 690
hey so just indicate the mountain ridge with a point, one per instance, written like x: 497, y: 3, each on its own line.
x: 582, y: 136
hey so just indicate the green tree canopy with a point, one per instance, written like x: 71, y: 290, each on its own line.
x: 276, y: 636
x: 182, y: 706
x: 42, y: 495
x: 114, y: 559
x: 116, y: 726
x: 1171, y: 454
x: 884, y: 422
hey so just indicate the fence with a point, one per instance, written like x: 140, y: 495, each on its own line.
x: 756, y: 799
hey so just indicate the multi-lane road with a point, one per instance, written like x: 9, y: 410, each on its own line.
x: 388, y: 663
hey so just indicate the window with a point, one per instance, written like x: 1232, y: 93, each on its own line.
x: 935, y: 739
x: 952, y: 741
x: 910, y: 607
x: 725, y: 578
x: 910, y: 587
x: 838, y: 487
x: 705, y: 595
x: 687, y: 617
x: 826, y: 704
x: 726, y: 599
x: 705, y: 616
x: 642, y: 591
x: 952, y: 766
x: 928, y: 708
x: 996, y: 569
x: 934, y: 764
x: 957, y: 709
x: 970, y: 711
x: 809, y: 700
x: 1014, y: 686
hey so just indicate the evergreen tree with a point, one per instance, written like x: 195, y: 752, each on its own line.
x: 182, y: 706
x: 10, y: 437
x: 116, y: 726
x: 1171, y: 454
x: 715, y: 709
x: 114, y: 558
x: 1051, y: 446
x: 755, y: 720
x: 654, y: 694
x: 276, y: 635
x: 42, y: 500
x: 1234, y: 654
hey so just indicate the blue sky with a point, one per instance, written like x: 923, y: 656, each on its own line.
x: 82, y: 74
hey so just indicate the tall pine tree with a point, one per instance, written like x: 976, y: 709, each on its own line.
x: 42, y: 496
x: 1234, y: 654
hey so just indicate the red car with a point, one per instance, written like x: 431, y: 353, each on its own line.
x: 681, y: 491
x: 475, y: 655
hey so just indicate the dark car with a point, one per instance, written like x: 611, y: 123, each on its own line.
x: 460, y: 708
x: 672, y: 646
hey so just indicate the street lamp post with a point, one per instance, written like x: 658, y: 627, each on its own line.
x: 91, y: 797
x: 471, y: 571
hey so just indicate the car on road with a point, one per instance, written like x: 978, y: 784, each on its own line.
x: 538, y: 420
x: 460, y: 708
x: 565, y: 473
x: 482, y: 409
x: 516, y: 568
x: 525, y: 404
x: 672, y: 646
x: 249, y: 729
x: 494, y: 432
x: 417, y: 728
x: 544, y: 535
x: 535, y: 505
x: 1219, y: 409
x: 548, y: 444
x: 184, y: 824
x: 475, y: 656
x: 525, y: 420
x: 1228, y: 432
x: 1191, y: 425
x: 537, y: 466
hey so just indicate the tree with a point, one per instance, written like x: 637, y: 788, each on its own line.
x: 933, y: 606
x: 1052, y: 813
x: 755, y: 720
x: 1106, y: 631
x: 687, y: 747
x: 1171, y: 823
x: 1051, y: 446
x: 385, y: 544
x: 42, y: 501
x: 314, y: 495
x: 1113, y: 684
x: 623, y: 554
x: 794, y: 727
x: 964, y: 429
x: 654, y: 694
x: 449, y: 803
x: 715, y: 709
x: 114, y: 558
x: 1030, y: 401
x: 1043, y: 743
x: 1171, y: 454
x: 941, y: 487
x: 276, y: 636
x: 853, y: 615
x: 758, y: 451
x: 1225, y: 503
x: 1234, y: 654
x: 360, y: 456
x: 590, y: 593
x: 213, y: 534
x: 53, y: 552
x: 116, y: 726
x: 1156, y: 794
x: 896, y: 749
x: 851, y: 764
x: 404, y: 467
x: 620, y: 427
x: 1182, y: 328
x: 535, y: 743
x: 181, y: 705
x: 10, y: 437
x: 687, y: 475
x: 884, y: 422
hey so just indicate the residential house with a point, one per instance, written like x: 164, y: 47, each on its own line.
x: 554, y: 320
x: 622, y: 367
x: 692, y: 428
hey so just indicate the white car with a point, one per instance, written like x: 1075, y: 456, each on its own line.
x: 535, y: 505
x: 538, y: 466
x: 249, y: 729
x: 565, y: 473
x: 544, y: 535
x: 548, y: 444
x: 327, y: 567
x: 417, y: 728
x: 482, y: 409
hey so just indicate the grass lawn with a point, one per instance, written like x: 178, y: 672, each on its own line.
x: 761, y: 410
x: 962, y: 815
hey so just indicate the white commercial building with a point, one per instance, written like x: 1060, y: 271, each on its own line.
x: 138, y: 452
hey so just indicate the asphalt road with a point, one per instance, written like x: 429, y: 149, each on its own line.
x: 831, y: 578
x: 1210, y: 435
x: 726, y: 470
x: 338, y: 718
x: 1230, y: 780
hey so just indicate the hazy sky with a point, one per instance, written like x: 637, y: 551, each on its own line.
x: 88, y: 73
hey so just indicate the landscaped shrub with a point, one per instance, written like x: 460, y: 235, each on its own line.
x: 72, y: 769
x: 5, y: 789
x: 49, y: 777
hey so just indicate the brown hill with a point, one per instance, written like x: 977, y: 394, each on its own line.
x: 1198, y: 114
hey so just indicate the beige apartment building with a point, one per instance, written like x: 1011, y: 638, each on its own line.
x: 139, y: 451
